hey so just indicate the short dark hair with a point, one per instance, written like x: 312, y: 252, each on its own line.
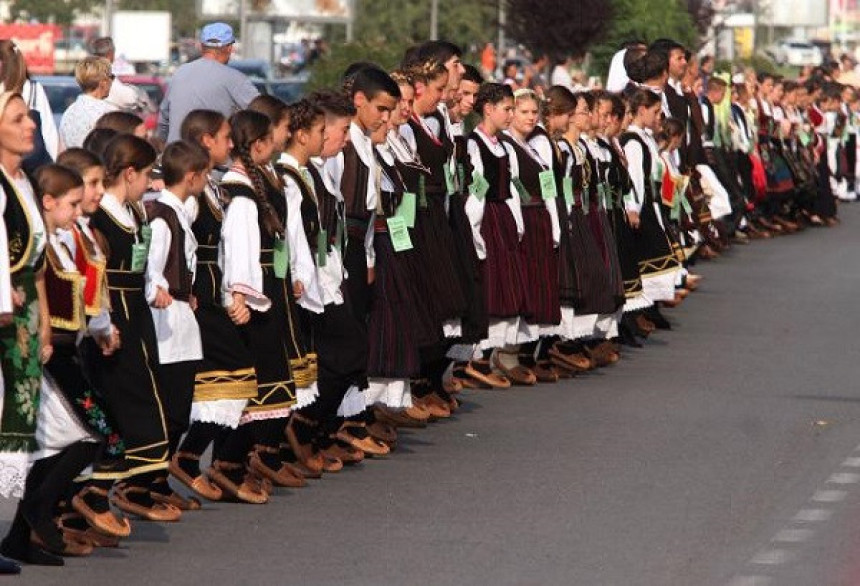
x: 120, y: 120
x: 492, y: 93
x: 79, y: 159
x: 57, y: 180
x: 182, y: 157
x: 199, y: 123
x: 97, y: 140
x: 372, y: 81
x: 333, y: 103
x: 471, y: 73
x: 272, y: 106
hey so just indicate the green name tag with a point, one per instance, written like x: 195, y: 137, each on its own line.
x: 399, y: 234
x: 630, y: 199
x: 675, y: 213
x: 282, y: 258
x: 140, y: 251
x: 567, y: 187
x: 548, y: 188
x: 479, y: 186
x: 685, y: 203
x: 521, y: 189
x: 406, y: 209
x: 450, y: 188
x: 322, y: 248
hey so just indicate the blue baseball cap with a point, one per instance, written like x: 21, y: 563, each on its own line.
x: 217, y: 34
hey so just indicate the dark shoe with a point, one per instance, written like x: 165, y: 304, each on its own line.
x: 9, y: 566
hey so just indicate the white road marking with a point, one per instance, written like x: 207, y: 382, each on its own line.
x: 844, y: 478
x: 794, y: 535
x: 751, y: 581
x: 771, y: 557
x: 851, y: 463
x: 813, y: 515
x: 829, y: 496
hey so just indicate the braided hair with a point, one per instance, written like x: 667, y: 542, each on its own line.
x: 246, y: 128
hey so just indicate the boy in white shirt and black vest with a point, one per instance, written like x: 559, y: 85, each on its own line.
x: 170, y: 269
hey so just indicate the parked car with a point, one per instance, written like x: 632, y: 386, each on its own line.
x: 61, y: 90
x: 797, y: 53
x: 289, y: 90
x: 253, y: 68
x: 154, y: 88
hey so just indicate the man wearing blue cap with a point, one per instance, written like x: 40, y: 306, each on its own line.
x: 206, y: 83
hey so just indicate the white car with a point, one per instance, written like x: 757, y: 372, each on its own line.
x: 797, y: 53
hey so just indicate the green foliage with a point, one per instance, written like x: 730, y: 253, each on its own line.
x: 327, y: 71
x: 644, y: 19
x: 60, y: 12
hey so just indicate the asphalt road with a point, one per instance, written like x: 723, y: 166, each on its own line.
x: 720, y: 454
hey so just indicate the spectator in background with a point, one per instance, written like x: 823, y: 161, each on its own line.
x: 122, y: 95
x: 617, y: 78
x: 561, y: 73
x: 535, y: 78
x: 207, y: 83
x: 706, y: 68
x: 488, y: 60
x: 510, y: 71
x: 16, y: 79
x: 94, y: 76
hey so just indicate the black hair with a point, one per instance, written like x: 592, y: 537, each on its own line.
x: 440, y: 51
x: 471, y: 73
x: 97, y: 140
x: 79, y: 159
x: 333, y: 103
x: 199, y: 123
x: 180, y: 158
x: 120, y: 120
x: 491, y: 93
x: 246, y: 128
x: 618, y: 106
x: 642, y: 98
x: 372, y: 81
x: 654, y: 64
x: 303, y: 115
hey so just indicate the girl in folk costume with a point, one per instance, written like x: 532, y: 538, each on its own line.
x: 494, y: 208
x: 658, y: 266
x: 86, y: 514
x: 170, y: 270
x: 339, y: 111
x: 303, y: 361
x: 600, y: 348
x: 338, y: 338
x: 226, y: 378
x: 613, y: 112
x: 557, y: 109
x: 433, y: 182
x: 255, y: 266
x: 66, y: 443
x: 127, y: 378
x: 536, y: 185
x: 400, y: 321
x: 597, y: 297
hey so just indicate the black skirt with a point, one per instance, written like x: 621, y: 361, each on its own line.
x: 540, y: 265
x: 596, y: 294
x: 475, y: 323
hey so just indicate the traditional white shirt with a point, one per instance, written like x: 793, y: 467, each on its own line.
x: 6, y: 305
x: 332, y: 274
x: 303, y: 267
x: 240, y: 235
x: 176, y: 329
x: 364, y: 149
x: 635, y: 156
x: 475, y: 206
x: 546, y: 163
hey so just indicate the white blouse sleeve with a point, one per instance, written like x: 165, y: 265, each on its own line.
x: 409, y: 137
x: 302, y: 267
x: 157, y: 258
x: 514, y: 202
x: 242, y: 270
x: 633, y: 152
x: 6, y: 305
x: 475, y: 206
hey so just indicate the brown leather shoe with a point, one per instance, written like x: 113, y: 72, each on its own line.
x: 159, y: 512
x: 383, y: 432
x: 517, y: 374
x: 481, y: 371
x: 682, y: 292
x: 283, y: 476
x: 369, y: 445
x: 73, y: 525
x: 199, y: 484
x: 398, y: 418
x: 71, y: 546
x: 178, y: 501
x: 345, y: 453
x: 544, y: 372
x: 645, y: 326
x: 417, y: 413
x: 574, y: 360
x: 436, y: 407
x: 303, y: 451
x: 331, y: 464
x: 244, y: 491
x: 105, y: 522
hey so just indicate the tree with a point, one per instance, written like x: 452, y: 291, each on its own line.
x: 641, y: 19
x: 61, y: 12
x: 557, y: 28
x: 702, y: 13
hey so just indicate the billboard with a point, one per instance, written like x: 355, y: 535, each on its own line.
x: 794, y: 13
x: 36, y: 42
x: 337, y: 11
x: 134, y: 47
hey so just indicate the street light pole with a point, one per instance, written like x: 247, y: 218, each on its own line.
x: 434, y: 20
